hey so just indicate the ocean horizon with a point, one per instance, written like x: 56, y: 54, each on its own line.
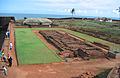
x: 19, y: 16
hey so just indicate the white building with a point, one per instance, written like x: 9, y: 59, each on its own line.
x: 37, y: 21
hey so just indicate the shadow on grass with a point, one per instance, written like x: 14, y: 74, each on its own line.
x: 29, y: 26
x: 103, y: 74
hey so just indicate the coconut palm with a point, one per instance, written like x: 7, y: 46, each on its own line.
x: 119, y: 13
x: 25, y: 17
x: 72, y: 12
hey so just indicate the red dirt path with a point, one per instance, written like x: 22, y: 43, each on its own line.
x: 58, y: 70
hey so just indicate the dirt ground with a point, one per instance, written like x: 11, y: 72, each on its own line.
x: 56, y: 70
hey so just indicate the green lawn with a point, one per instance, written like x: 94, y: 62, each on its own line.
x: 108, y: 30
x: 31, y: 50
x: 113, y: 46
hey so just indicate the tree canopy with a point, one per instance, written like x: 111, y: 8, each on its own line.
x: 73, y: 11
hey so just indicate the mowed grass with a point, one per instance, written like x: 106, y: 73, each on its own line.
x: 31, y: 50
x: 113, y: 46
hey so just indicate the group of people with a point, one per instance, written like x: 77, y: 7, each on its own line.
x: 8, y: 36
x: 7, y: 59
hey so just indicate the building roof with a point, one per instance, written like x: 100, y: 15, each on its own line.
x: 42, y: 20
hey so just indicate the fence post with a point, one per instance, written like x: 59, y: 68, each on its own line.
x: 65, y: 59
x: 44, y: 59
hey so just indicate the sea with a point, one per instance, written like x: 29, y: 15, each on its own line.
x: 19, y: 16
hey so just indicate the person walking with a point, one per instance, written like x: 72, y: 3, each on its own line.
x: 8, y: 34
x: 10, y: 45
x: 5, y: 70
x: 10, y: 61
x: 5, y: 59
x: 3, y: 51
x: 0, y: 55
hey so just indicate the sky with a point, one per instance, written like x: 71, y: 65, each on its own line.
x: 105, y: 8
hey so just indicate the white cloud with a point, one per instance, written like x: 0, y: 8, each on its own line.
x: 101, y: 12
x: 85, y: 11
x: 72, y: 0
x: 81, y: 1
x: 76, y: 11
x: 79, y: 10
x: 67, y: 10
x: 54, y: 1
x: 81, y: 6
x: 116, y: 12
x: 96, y: 11
x: 94, y: 4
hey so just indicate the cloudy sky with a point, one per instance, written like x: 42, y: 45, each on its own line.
x: 62, y: 7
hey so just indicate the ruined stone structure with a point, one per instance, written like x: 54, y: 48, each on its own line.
x: 72, y: 47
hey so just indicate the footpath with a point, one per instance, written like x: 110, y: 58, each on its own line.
x: 11, y: 53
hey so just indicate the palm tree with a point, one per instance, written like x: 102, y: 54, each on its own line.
x: 25, y: 17
x: 119, y: 13
x: 72, y: 12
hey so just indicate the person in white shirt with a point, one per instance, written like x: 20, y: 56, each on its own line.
x: 6, y: 34
x: 5, y: 70
x: 10, y: 45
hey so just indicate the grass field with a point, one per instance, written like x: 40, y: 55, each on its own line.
x: 109, y: 31
x: 91, y: 25
x: 31, y: 50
